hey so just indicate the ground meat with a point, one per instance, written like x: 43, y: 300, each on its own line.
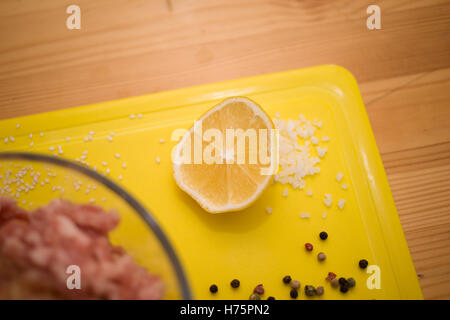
x: 37, y: 247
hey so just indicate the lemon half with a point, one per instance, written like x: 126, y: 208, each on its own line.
x: 223, y: 187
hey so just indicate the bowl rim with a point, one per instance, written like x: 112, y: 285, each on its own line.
x: 145, y: 214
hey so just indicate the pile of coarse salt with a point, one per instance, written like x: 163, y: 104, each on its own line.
x: 296, y: 142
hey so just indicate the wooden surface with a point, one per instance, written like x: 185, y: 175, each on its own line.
x: 133, y: 47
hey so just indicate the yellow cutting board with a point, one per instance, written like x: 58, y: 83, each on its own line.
x: 252, y: 245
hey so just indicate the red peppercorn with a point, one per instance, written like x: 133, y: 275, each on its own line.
x: 308, y: 246
x: 331, y: 276
x: 259, y: 289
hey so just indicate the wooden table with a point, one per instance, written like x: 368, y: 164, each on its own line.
x: 133, y: 47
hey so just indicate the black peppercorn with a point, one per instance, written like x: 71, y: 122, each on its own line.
x: 235, y: 283
x: 363, y: 263
x: 323, y: 235
x: 287, y: 279
x: 344, y: 289
x: 213, y: 288
x: 271, y: 298
x: 342, y: 281
x: 294, y: 294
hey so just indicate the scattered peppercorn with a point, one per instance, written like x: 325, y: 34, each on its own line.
x: 255, y: 296
x: 308, y: 246
x: 259, y: 289
x: 319, y: 291
x: 295, y: 284
x: 293, y: 294
x: 271, y: 298
x: 310, y: 291
x: 335, y: 283
x: 342, y: 281
x: 351, y: 282
x: 345, y: 285
x: 331, y: 276
x: 287, y: 279
x: 323, y: 235
x: 235, y: 283
x: 363, y: 263
x: 344, y: 289
x: 213, y: 288
x: 321, y: 256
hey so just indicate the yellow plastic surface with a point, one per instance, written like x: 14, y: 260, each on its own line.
x: 251, y: 245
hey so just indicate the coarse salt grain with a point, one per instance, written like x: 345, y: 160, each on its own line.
x: 104, y: 163
x: 296, y: 161
x: 344, y: 186
x: 109, y: 138
x: 139, y: 116
x: 30, y: 136
x: 285, y: 192
x: 124, y: 165
x: 324, y: 215
x: 120, y: 177
x: 269, y: 210
x: 12, y: 139
x: 31, y: 144
x: 339, y: 176
x: 314, y: 140
x: 18, y: 125
x: 117, y: 156
x: 318, y: 123
x: 321, y: 151
x: 304, y: 215
x: 328, y: 199
x: 51, y: 148
x: 161, y: 141
x: 41, y: 134
x: 341, y: 203
x: 132, y: 116
x: 158, y: 160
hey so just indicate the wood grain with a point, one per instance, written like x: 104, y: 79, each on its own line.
x: 133, y: 47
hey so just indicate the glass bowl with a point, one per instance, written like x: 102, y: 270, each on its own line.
x: 35, y: 179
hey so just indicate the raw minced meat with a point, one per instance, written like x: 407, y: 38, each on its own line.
x: 37, y: 247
